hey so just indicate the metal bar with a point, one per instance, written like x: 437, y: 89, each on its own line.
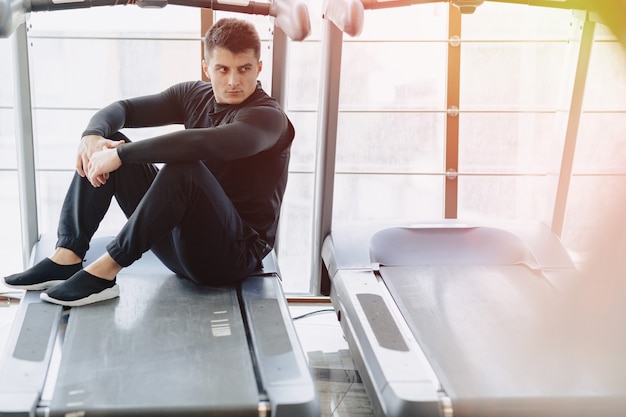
x: 332, y: 39
x: 24, y: 139
x: 279, y: 66
x: 559, y: 4
x: 451, y: 184
x: 555, y: 4
x: 206, y: 21
x: 571, y: 135
x: 249, y: 7
x: 279, y: 88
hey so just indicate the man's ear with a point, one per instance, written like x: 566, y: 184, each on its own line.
x: 260, y: 66
x: 205, y: 69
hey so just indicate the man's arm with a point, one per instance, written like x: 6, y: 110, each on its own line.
x: 147, y: 111
x: 254, y: 130
x: 153, y: 110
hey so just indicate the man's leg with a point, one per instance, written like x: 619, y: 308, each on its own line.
x: 212, y: 244
x: 83, y: 209
x: 189, y: 223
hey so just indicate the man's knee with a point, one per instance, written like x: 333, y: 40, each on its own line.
x: 181, y: 173
x: 182, y: 168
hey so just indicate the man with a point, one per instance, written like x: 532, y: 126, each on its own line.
x: 210, y: 213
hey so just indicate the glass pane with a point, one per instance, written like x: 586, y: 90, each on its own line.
x: 65, y: 73
x: 415, y: 143
x: 393, y: 75
x: 305, y: 142
x: 509, y: 142
x: 8, y: 155
x: 171, y: 21
x: 424, y: 22
x: 500, y: 197
x: 387, y: 197
x: 295, y: 231
x: 303, y: 84
x: 6, y: 74
x: 516, y: 22
x: 606, y: 81
x: 589, y: 206
x: 10, y: 238
x: 508, y: 76
x: 601, y: 144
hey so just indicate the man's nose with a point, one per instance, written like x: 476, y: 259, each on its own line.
x: 233, y: 79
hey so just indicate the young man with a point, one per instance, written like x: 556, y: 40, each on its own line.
x: 210, y: 213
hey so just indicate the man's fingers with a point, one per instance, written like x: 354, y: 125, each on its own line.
x: 98, y: 180
x: 81, y: 166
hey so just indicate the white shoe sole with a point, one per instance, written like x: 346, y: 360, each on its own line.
x: 34, y: 287
x: 103, y: 295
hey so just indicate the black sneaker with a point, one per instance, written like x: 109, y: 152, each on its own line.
x: 81, y: 289
x: 44, y: 274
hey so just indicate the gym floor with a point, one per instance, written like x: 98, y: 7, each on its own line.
x: 339, y: 385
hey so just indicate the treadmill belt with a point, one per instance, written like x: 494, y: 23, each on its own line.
x: 479, y: 328
x: 166, y: 347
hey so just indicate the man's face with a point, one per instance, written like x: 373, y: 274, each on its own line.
x: 233, y: 75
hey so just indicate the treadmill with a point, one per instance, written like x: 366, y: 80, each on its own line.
x: 451, y: 318
x: 166, y: 347
x: 446, y: 320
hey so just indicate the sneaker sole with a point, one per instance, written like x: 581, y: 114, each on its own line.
x: 103, y: 295
x: 34, y: 287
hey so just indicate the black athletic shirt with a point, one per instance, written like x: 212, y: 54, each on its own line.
x: 246, y: 146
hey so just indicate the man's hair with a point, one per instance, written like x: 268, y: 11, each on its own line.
x: 233, y: 34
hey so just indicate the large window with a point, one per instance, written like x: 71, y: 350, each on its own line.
x: 516, y: 72
x: 82, y: 60
x: 516, y: 69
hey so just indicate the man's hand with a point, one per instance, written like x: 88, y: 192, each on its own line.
x: 88, y: 146
x: 107, y: 160
x: 101, y: 164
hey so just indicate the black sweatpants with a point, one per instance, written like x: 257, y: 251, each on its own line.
x: 180, y: 212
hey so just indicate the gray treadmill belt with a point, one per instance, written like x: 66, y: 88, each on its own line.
x: 167, y: 347
x: 477, y: 327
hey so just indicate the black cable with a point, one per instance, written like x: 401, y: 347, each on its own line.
x: 326, y: 310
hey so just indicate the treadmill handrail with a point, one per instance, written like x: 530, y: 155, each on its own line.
x: 292, y: 16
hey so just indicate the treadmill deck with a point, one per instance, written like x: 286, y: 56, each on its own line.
x: 165, y: 347
x: 451, y: 320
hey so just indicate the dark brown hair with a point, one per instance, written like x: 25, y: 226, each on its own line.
x: 233, y: 34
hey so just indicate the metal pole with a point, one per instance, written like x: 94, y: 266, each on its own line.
x: 575, y: 112
x: 451, y: 183
x: 279, y: 66
x: 328, y: 109
x: 279, y: 82
x: 24, y: 145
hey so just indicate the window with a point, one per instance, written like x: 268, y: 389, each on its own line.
x: 516, y: 69
x: 10, y: 239
x: 82, y: 60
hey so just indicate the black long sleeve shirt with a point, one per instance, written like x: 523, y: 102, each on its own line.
x: 246, y: 146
